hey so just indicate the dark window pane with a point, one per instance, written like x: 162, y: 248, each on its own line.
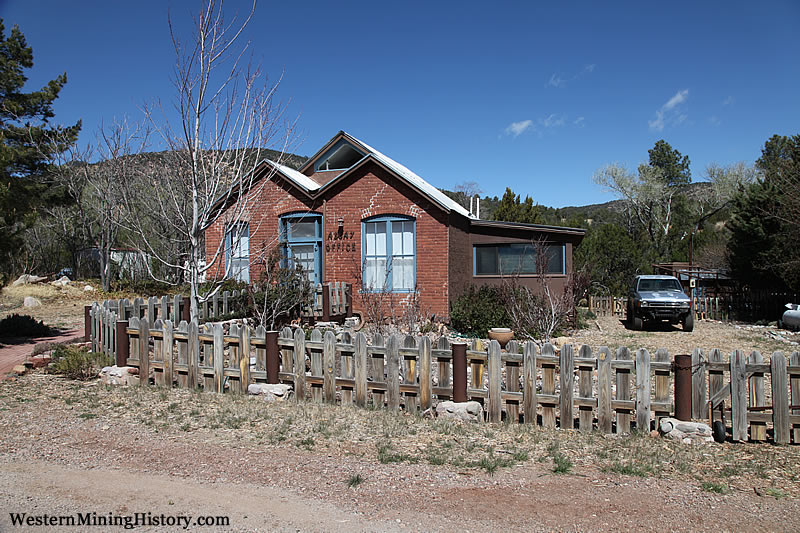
x: 486, y: 260
x: 555, y: 259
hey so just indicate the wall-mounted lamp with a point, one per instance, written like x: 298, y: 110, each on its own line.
x: 341, y: 222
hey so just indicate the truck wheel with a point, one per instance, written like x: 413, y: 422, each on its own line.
x: 638, y: 323
x: 688, y: 322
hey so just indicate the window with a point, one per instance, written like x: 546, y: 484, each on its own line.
x: 508, y: 259
x: 389, y: 254
x: 301, y: 239
x: 341, y: 156
x: 237, y: 251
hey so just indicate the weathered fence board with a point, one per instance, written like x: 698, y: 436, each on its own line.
x: 407, y: 372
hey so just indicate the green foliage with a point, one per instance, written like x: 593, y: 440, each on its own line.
x: 278, y: 296
x: 611, y: 257
x: 674, y: 165
x: 764, y: 248
x: 479, y: 309
x: 26, y: 142
x: 355, y: 480
x: 718, y: 488
x: 512, y: 209
x: 24, y: 326
x: 77, y: 363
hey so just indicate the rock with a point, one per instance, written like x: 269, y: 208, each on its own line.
x: 41, y: 360
x: 30, y: 301
x: 685, y: 432
x: 561, y: 341
x: 88, y: 288
x: 61, y: 282
x: 25, y: 279
x: 20, y: 370
x: 271, y: 392
x: 119, y: 375
x: 465, y: 411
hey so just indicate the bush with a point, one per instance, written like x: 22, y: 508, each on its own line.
x: 77, y: 363
x: 24, y: 326
x: 478, y: 310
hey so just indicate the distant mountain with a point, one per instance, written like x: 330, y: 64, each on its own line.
x: 570, y: 215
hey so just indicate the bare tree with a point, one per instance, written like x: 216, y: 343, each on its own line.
x: 94, y: 178
x: 282, y: 290
x: 648, y: 197
x: 227, y: 118
x: 541, y: 311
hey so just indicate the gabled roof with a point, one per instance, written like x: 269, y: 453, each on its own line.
x: 412, y: 179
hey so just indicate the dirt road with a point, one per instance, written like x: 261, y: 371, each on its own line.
x: 68, y: 448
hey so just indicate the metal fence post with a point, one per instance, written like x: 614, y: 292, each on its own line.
x: 459, y: 371
x: 273, y: 357
x: 123, y: 344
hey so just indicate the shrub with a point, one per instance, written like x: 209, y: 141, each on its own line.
x: 478, y: 310
x: 24, y: 326
x: 77, y: 363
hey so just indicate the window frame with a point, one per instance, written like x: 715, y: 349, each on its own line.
x: 499, y: 273
x: 286, y: 240
x: 389, y: 219
x: 230, y: 231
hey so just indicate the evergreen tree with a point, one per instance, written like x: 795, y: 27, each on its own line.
x: 512, y: 209
x: 764, y: 248
x: 27, y: 140
x: 674, y: 165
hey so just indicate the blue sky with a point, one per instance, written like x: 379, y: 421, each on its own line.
x: 533, y: 96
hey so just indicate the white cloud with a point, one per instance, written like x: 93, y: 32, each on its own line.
x: 552, y: 121
x: 728, y: 101
x: 517, y: 128
x: 579, y: 122
x: 714, y: 120
x: 671, y: 112
x: 556, y: 81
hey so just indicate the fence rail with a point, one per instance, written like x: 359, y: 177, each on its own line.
x: 704, y: 308
x: 573, y: 387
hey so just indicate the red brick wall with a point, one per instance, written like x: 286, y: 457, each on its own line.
x: 369, y: 192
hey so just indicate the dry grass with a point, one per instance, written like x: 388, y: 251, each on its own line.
x: 388, y: 437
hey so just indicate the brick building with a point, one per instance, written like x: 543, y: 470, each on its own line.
x: 354, y: 215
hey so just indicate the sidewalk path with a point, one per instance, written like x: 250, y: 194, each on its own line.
x: 15, y: 354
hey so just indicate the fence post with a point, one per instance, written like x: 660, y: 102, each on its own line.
x: 273, y: 361
x: 683, y: 387
x: 495, y: 379
x: 566, y: 374
x: 361, y: 369
x: 299, y: 365
x: 529, y: 382
x: 87, y: 323
x: 459, y: 350
x: 326, y: 302
x: 329, y: 367
x: 186, y: 309
x: 393, y: 372
x: 144, y: 352
x: 642, y: 391
x: 349, y: 296
x: 123, y: 344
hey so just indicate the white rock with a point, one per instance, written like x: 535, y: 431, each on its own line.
x: 119, y: 375
x: 30, y: 301
x: 62, y: 282
x: 26, y: 279
x: 686, y: 432
x: 270, y: 391
x: 88, y: 288
x: 465, y: 411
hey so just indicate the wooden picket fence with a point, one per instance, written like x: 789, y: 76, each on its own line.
x: 704, y: 308
x: 609, y: 392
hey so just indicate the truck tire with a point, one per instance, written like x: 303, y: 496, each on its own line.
x: 688, y: 322
x: 637, y: 323
x: 718, y: 431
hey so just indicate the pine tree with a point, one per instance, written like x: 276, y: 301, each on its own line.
x: 512, y: 209
x: 27, y: 140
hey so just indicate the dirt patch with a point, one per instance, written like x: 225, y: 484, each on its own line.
x: 707, y: 335
x: 62, y: 307
x: 81, y: 447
